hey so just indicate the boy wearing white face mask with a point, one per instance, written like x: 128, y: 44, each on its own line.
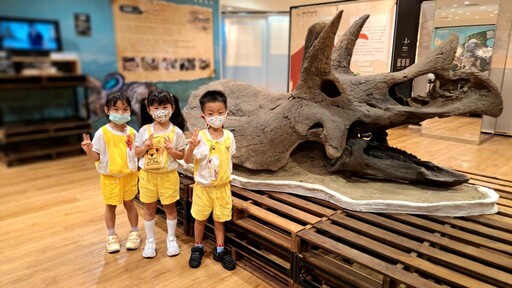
x: 159, y: 145
x: 211, y: 150
x: 112, y: 149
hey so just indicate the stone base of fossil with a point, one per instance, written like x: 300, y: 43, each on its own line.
x: 306, y: 175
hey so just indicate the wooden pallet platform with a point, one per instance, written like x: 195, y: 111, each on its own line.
x: 355, y: 249
x: 46, y: 129
x: 28, y: 142
x: 264, y: 229
x: 292, y: 240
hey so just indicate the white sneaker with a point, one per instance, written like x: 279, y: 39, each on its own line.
x: 112, y: 244
x: 133, y: 240
x: 172, y: 246
x: 149, y: 249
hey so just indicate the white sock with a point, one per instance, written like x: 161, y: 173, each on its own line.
x: 149, y: 226
x: 111, y: 231
x: 171, y: 227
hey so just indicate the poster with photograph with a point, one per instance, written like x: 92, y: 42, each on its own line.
x: 163, y: 41
x: 475, y: 46
x: 82, y: 24
x: 372, y: 53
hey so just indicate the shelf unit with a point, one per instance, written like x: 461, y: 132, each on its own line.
x: 63, y: 66
x: 31, y: 140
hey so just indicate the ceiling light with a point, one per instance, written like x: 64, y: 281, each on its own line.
x: 467, y: 2
x: 482, y: 7
x: 457, y: 17
x: 442, y: 14
x: 468, y: 13
x: 459, y: 11
x: 477, y: 17
x: 495, y: 12
x: 454, y: 5
x: 230, y: 8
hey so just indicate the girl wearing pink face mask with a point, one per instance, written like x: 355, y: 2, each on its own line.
x: 211, y: 149
x: 159, y: 145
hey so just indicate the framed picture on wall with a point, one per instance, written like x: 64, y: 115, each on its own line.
x: 475, y: 46
x: 82, y: 24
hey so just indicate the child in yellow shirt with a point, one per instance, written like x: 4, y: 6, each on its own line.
x: 211, y: 150
x: 113, y: 150
x: 159, y: 145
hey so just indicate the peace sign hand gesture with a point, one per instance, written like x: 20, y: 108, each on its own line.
x: 194, y: 140
x: 168, y: 145
x: 86, y: 144
x: 148, y: 143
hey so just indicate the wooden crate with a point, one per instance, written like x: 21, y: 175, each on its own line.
x: 264, y: 228
x: 185, y: 204
x: 354, y: 249
x: 291, y: 240
x: 417, y: 251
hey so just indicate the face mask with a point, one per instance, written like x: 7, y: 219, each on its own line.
x: 161, y: 116
x: 216, y: 121
x: 119, y: 118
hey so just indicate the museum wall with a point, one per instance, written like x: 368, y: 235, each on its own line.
x: 255, y: 49
x: 97, y: 52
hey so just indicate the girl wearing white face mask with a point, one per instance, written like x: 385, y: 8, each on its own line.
x: 159, y: 145
x: 113, y: 150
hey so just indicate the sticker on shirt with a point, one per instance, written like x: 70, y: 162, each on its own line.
x: 213, y: 167
x: 153, y: 158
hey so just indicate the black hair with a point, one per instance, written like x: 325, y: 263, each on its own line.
x: 159, y: 97
x: 211, y: 97
x: 112, y: 100
x: 162, y: 97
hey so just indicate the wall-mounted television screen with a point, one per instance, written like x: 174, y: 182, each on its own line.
x: 29, y: 35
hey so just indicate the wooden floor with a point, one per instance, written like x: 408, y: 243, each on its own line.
x: 53, y: 236
x: 53, y: 232
x: 455, y: 128
x: 493, y: 157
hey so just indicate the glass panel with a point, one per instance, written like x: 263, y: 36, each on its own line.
x: 475, y: 23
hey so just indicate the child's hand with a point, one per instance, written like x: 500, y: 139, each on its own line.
x: 168, y: 145
x: 194, y: 140
x: 149, y: 142
x: 86, y: 144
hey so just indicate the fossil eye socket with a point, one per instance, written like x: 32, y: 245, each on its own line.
x: 330, y: 89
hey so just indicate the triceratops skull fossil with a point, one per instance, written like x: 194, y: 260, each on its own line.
x: 336, y: 108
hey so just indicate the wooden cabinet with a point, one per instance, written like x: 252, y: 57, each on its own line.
x: 28, y: 140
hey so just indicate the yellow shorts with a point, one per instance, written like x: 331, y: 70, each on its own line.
x: 164, y: 186
x: 215, y: 198
x: 118, y: 189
